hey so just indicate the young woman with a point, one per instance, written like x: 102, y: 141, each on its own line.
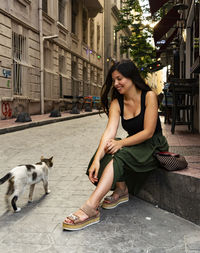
x: 122, y: 165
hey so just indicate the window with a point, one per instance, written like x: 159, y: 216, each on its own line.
x: 98, y: 37
x: 74, y: 69
x: 74, y: 14
x: 19, y: 47
x: 75, y: 82
x: 85, y: 25
x: 61, y: 11
x: 62, y: 66
x: 19, y: 56
x: 98, y: 78
x: 85, y: 76
x: 92, y: 33
x: 47, y: 58
x: 86, y: 84
x: 45, y: 6
x: 92, y: 76
x: 62, y: 69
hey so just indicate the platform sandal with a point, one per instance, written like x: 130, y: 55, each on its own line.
x: 77, y: 224
x: 110, y: 202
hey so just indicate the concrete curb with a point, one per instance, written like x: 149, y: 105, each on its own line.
x: 174, y: 191
x: 44, y: 122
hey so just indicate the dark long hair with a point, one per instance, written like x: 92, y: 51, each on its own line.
x: 128, y: 69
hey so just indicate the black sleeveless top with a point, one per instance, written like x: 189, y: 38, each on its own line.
x: 136, y: 124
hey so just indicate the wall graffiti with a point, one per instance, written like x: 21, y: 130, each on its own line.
x: 6, y: 109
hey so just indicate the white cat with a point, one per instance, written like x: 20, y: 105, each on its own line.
x: 23, y: 175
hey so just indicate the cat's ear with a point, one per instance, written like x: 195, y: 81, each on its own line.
x: 42, y: 157
x: 51, y: 158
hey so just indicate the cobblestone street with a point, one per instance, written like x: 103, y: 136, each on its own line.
x: 135, y: 227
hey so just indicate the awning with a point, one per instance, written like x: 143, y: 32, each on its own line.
x: 166, y: 44
x: 155, y: 5
x: 167, y: 22
x: 94, y: 7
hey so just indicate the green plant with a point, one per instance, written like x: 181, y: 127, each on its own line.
x: 138, y: 42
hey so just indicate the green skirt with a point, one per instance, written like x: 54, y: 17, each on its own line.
x: 133, y: 164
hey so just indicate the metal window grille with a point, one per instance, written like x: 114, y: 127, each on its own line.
x: 61, y: 85
x: 92, y: 76
x: 62, y: 71
x: 86, y: 88
x: 85, y: 74
x: 92, y: 33
x: 75, y: 81
x: 98, y: 37
x: 75, y: 87
x: 19, y: 56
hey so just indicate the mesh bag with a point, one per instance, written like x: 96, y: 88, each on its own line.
x: 171, y: 161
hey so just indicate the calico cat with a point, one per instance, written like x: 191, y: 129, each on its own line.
x: 23, y: 175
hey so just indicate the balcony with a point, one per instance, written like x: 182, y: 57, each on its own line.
x: 93, y: 7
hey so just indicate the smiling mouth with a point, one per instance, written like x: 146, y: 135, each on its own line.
x: 119, y: 88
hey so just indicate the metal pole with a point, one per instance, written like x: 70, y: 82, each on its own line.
x: 41, y: 60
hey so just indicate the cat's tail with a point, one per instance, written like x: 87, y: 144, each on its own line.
x: 5, y: 178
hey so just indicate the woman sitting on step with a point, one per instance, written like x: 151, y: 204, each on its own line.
x: 122, y: 165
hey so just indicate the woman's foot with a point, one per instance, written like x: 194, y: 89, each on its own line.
x: 119, y: 196
x: 79, y: 213
x: 82, y: 218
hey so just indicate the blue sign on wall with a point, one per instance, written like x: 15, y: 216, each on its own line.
x: 6, y: 73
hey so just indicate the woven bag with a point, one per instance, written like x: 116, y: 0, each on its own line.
x: 171, y: 161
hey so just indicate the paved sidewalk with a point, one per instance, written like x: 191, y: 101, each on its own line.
x: 135, y: 227
x: 185, y: 143
x: 9, y: 125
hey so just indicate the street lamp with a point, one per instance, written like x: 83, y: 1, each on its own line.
x: 50, y: 37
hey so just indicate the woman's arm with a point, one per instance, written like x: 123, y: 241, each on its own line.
x: 150, y: 121
x: 109, y: 133
x: 111, y: 129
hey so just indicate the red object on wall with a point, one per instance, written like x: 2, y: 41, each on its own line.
x: 6, y: 109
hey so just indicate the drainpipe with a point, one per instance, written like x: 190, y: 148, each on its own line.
x: 41, y: 60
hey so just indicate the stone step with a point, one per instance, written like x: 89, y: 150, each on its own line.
x: 177, y: 192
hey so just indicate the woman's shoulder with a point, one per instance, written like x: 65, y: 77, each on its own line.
x: 115, y: 105
x: 115, y: 102
x: 151, y: 97
x: 151, y: 94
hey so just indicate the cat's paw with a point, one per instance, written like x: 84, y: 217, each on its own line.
x: 18, y: 210
x: 48, y: 191
x: 30, y: 201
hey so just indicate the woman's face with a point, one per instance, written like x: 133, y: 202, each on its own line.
x: 121, y: 83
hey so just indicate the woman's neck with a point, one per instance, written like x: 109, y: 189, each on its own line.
x: 133, y: 94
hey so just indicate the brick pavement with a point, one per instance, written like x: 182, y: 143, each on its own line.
x: 135, y: 227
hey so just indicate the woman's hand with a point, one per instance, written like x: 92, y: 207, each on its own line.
x: 93, y: 171
x: 113, y: 146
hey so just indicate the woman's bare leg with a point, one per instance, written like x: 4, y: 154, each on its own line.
x: 100, y: 191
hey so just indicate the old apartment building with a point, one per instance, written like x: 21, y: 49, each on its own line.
x: 53, y: 50
x: 49, y: 49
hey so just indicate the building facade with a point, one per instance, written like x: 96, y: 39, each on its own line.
x: 50, y: 51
